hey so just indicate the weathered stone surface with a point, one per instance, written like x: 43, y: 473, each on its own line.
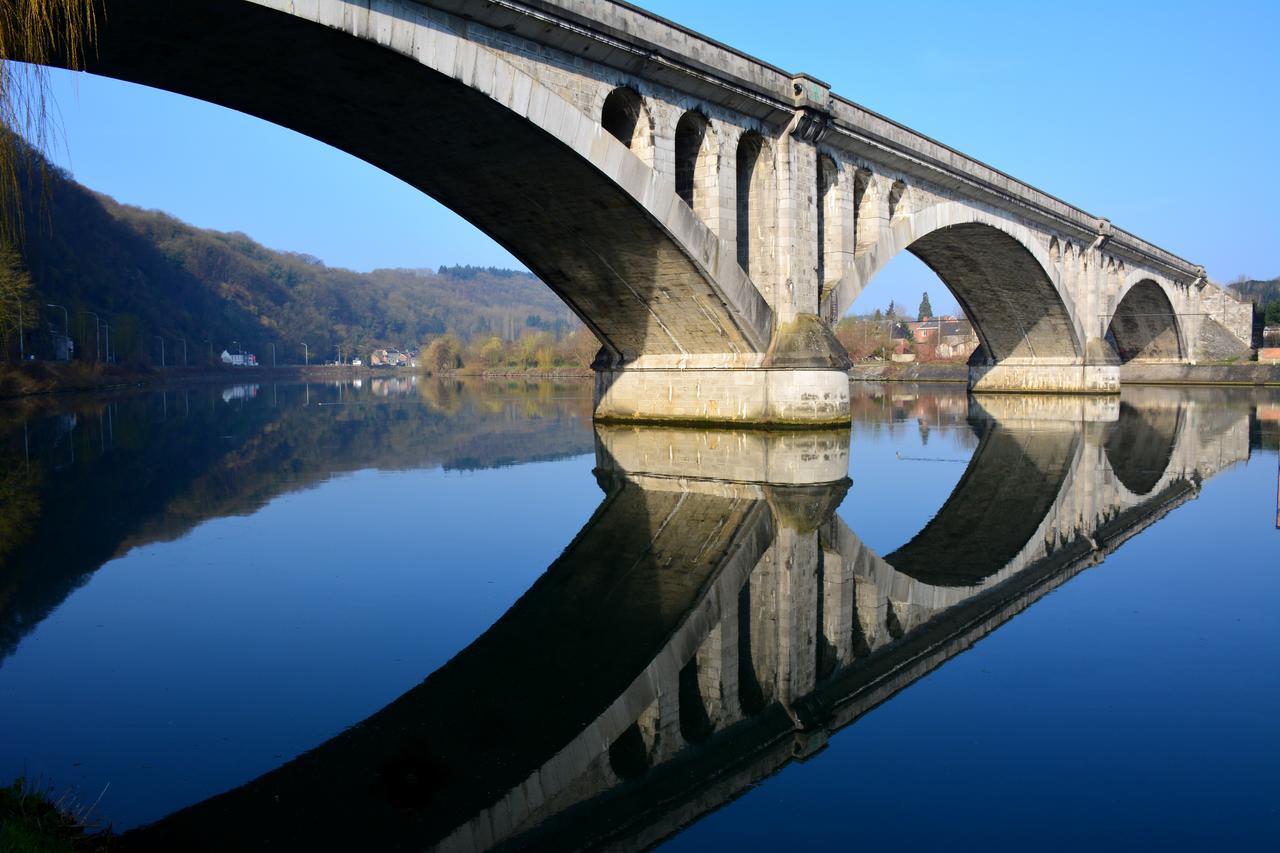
x: 1216, y: 343
x: 1240, y: 373
x: 743, y: 396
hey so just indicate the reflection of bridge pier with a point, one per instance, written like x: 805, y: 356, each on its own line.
x: 713, y: 621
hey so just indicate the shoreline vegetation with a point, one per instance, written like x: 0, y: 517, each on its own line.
x: 40, y: 379
x: 36, y: 379
x: 33, y: 820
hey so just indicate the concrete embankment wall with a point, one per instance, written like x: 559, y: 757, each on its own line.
x: 1243, y: 373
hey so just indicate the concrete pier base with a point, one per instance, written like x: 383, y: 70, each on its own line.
x: 1040, y: 378
x: 741, y: 396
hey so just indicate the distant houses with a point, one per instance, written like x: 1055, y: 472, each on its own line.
x: 246, y: 359
x: 937, y: 337
x: 388, y: 358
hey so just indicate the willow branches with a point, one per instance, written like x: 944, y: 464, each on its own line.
x: 34, y: 34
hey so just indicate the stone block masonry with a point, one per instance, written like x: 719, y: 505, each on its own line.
x: 690, y: 203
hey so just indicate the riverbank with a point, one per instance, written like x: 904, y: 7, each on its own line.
x: 33, y: 821
x: 1239, y: 373
x: 38, y: 378
x: 1133, y: 373
x: 910, y: 371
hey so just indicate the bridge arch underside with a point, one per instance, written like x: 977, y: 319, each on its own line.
x: 571, y: 207
x: 1015, y: 308
x: 1144, y: 326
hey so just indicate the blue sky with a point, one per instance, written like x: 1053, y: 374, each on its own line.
x: 1161, y: 117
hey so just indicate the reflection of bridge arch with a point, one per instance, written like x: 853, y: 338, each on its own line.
x: 507, y: 153
x: 998, y: 271
x: 1140, y: 444
x: 1011, y: 483
x: 607, y: 704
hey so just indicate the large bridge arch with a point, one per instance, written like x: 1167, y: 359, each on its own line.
x: 997, y: 269
x: 400, y: 86
x: 1142, y: 323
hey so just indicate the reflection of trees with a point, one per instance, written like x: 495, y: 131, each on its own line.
x: 162, y: 467
x: 19, y: 503
x: 891, y: 406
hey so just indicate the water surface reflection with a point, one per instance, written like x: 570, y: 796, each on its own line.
x: 713, y: 621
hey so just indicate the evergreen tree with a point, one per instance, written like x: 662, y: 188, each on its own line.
x: 926, y: 310
x: 892, y: 312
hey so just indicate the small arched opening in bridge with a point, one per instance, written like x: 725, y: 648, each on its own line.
x: 752, y: 695
x: 757, y: 214
x: 991, y: 297
x: 1140, y: 443
x: 835, y: 227
x: 629, y: 754
x: 865, y: 229
x: 625, y: 117
x: 897, y: 193
x: 1144, y: 326
x: 695, y: 717
x: 696, y: 165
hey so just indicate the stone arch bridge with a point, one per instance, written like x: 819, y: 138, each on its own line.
x: 706, y: 214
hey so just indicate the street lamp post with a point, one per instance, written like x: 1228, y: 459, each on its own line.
x: 107, y: 327
x: 184, y: 351
x: 306, y: 355
x: 273, y: 355
x: 66, y: 321
x: 161, y: 340
x: 97, y: 335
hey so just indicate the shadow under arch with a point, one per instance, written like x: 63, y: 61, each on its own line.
x: 522, y: 164
x: 1003, y: 279
x: 1010, y: 486
x: 1145, y: 326
x: 1140, y: 444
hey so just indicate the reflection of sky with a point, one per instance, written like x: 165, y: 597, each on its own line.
x: 184, y: 668
x: 1133, y: 708
x: 900, y: 481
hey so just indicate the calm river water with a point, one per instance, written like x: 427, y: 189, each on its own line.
x: 409, y: 613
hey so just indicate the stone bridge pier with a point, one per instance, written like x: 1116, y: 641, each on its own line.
x: 707, y: 215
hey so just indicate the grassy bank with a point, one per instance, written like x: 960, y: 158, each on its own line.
x: 39, y: 377
x: 33, y: 821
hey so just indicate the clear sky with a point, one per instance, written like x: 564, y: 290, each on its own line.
x: 1162, y: 117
